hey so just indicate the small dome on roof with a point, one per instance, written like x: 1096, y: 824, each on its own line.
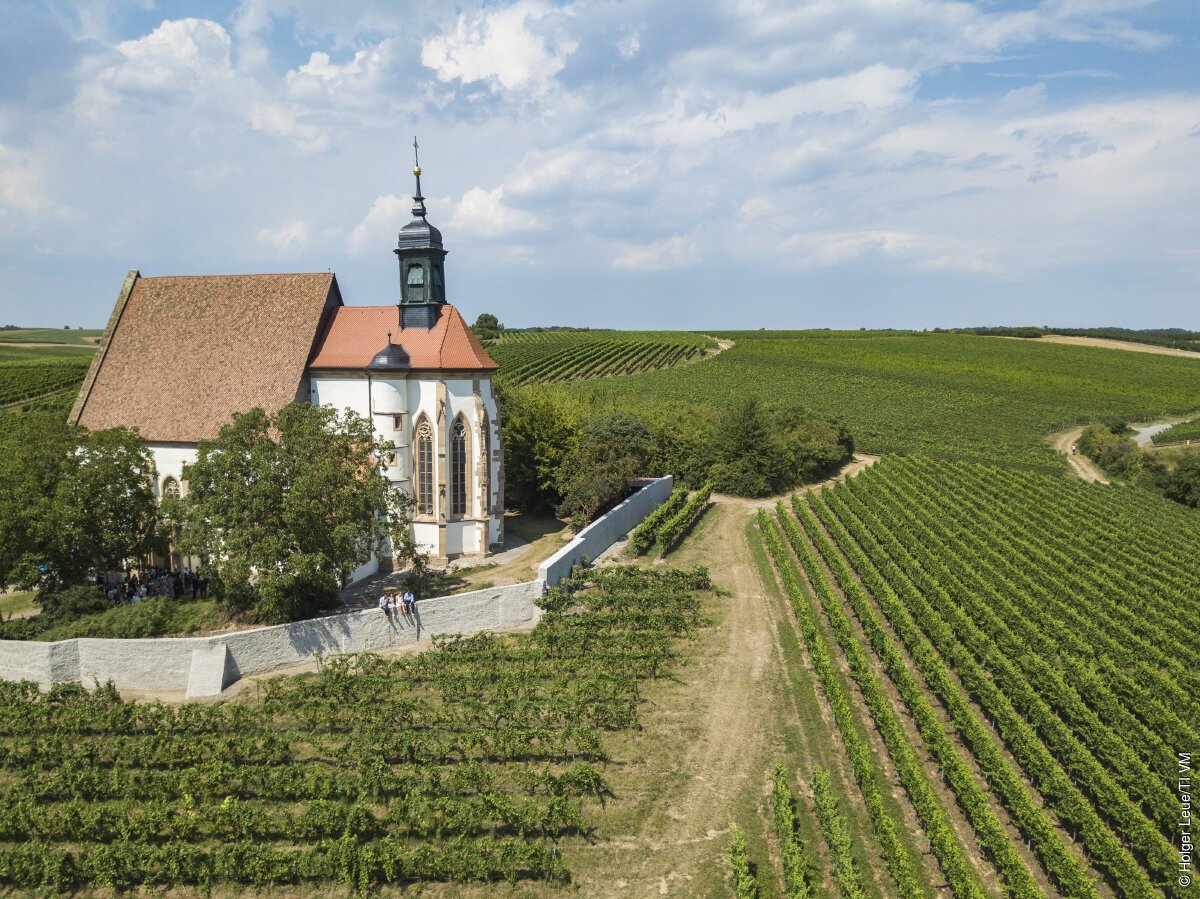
x: 419, y: 234
x: 391, y: 358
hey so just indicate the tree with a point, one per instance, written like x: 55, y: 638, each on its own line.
x: 287, y: 507
x: 71, y: 501
x: 1183, y: 484
x: 611, y: 451
x: 540, y: 429
x: 487, y: 326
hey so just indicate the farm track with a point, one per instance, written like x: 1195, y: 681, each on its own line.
x: 1106, y: 344
x: 1080, y: 465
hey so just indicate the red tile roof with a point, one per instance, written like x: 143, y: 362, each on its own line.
x: 180, y: 355
x: 357, y: 333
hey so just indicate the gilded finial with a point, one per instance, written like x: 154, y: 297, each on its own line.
x: 416, y: 158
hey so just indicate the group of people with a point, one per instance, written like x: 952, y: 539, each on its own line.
x: 397, y: 602
x: 138, y: 585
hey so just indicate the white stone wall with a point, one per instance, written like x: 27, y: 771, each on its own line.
x: 177, y: 664
x: 605, y: 531
x: 167, y: 664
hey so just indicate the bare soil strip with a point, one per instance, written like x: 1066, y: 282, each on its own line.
x: 1080, y: 464
x: 1105, y: 343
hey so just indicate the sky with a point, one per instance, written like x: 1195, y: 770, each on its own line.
x: 616, y: 163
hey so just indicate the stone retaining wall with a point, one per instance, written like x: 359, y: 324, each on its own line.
x: 171, y: 664
x: 203, y: 666
x: 605, y: 531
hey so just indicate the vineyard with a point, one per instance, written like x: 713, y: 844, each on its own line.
x: 470, y: 762
x: 541, y: 357
x: 1185, y: 430
x: 22, y: 383
x: 1023, y: 648
x: 670, y: 522
x: 945, y: 395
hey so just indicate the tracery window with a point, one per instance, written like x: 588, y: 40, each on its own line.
x: 486, y: 433
x: 170, y: 489
x: 458, y: 467
x: 424, y: 466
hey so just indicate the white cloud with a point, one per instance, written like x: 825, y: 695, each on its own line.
x: 871, y: 89
x: 629, y: 45
x: 288, y: 238
x: 483, y: 212
x: 359, y: 80
x: 24, y: 200
x: 179, y: 56
x: 504, y: 45
x: 671, y: 252
x: 185, y: 66
x: 387, y: 215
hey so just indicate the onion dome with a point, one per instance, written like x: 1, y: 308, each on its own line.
x: 391, y: 358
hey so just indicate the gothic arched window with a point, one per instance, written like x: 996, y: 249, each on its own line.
x: 424, y: 468
x: 458, y: 467
x: 170, y: 489
x: 485, y: 432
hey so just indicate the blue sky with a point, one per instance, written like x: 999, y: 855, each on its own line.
x: 749, y: 163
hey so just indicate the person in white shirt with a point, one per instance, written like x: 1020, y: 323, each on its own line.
x: 383, y: 603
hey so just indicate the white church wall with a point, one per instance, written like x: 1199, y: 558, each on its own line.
x: 404, y: 401
x: 169, y: 459
x: 462, y: 537
x: 339, y: 391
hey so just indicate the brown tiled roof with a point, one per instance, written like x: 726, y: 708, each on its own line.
x: 180, y: 355
x: 357, y: 333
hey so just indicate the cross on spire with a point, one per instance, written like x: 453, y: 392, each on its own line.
x: 418, y: 208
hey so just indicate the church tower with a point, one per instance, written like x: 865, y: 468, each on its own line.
x: 422, y: 270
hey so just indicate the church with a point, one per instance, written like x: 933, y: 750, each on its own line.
x: 181, y: 354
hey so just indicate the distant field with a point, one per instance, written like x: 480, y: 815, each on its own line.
x: 949, y: 395
x: 540, y: 357
x: 51, y: 335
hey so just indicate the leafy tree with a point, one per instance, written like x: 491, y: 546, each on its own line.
x: 611, y: 451
x: 762, y: 450
x: 540, y: 431
x: 1183, y: 484
x: 71, y: 501
x: 288, y: 506
x: 487, y: 326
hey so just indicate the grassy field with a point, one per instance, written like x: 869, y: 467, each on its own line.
x: 951, y: 395
x: 64, y: 336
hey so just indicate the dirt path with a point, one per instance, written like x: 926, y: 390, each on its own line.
x: 1129, y: 346
x: 1080, y: 464
x: 34, y: 345
x: 715, y: 725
